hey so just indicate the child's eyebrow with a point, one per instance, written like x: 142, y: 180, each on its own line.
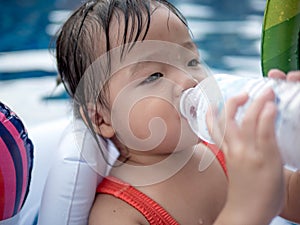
x: 151, y: 57
x: 190, y: 45
x: 135, y: 68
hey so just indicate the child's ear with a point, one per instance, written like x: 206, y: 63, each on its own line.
x: 106, y: 130
x: 100, y: 121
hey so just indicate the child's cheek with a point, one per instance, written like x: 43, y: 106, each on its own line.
x: 155, y: 122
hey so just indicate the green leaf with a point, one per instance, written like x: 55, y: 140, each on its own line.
x: 280, y: 36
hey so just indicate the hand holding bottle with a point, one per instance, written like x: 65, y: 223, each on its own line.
x: 255, y: 171
x: 214, y: 91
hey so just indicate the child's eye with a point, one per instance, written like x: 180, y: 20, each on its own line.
x: 152, y: 77
x: 194, y: 62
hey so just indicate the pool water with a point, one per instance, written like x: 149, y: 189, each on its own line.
x: 228, y: 37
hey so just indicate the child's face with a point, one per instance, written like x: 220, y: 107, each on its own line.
x: 146, y: 86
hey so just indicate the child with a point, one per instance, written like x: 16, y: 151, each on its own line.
x: 126, y: 64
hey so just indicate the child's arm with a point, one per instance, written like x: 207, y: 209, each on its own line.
x: 255, y: 172
x: 292, y: 196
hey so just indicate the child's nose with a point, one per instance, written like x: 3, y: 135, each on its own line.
x: 184, y: 82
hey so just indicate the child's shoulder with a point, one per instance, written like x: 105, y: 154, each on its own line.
x: 110, y: 210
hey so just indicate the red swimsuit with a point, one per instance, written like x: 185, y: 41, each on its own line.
x: 151, y: 210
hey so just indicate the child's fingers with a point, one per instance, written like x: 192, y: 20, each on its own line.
x: 266, y: 126
x: 217, y: 123
x: 227, y: 118
x: 277, y: 74
x: 213, y: 126
x: 252, y: 114
x: 293, y: 76
x: 232, y: 105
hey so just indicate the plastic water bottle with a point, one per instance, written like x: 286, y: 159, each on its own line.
x: 215, y: 90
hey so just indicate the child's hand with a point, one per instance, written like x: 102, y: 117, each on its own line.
x: 291, y: 76
x: 255, y: 171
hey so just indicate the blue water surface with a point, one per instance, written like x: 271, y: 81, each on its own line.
x: 25, y: 26
x: 221, y: 28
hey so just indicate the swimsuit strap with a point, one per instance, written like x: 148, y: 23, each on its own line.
x: 151, y: 210
x: 218, y: 153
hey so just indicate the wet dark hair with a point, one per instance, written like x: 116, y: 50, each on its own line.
x: 78, y: 43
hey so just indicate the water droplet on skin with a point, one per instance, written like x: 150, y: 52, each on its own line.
x: 200, y: 221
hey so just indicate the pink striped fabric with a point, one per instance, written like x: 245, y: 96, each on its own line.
x: 23, y: 153
x: 16, y: 157
x: 9, y: 174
